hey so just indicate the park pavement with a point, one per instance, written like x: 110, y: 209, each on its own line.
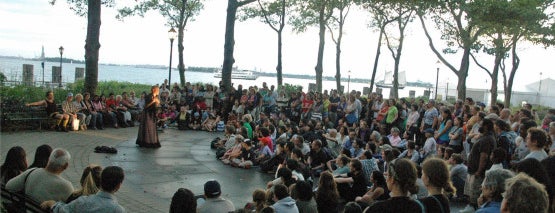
x: 152, y: 176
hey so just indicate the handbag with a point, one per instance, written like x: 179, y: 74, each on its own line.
x: 18, y: 199
x: 75, y: 124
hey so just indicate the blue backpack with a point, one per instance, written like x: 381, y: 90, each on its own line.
x: 511, y: 137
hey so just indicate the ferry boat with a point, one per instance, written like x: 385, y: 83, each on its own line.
x: 238, y: 74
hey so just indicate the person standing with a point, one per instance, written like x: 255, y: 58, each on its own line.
x: 148, y: 136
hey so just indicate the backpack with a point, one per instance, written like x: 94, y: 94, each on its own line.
x: 511, y: 137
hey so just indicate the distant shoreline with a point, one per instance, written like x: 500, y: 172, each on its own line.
x: 212, y: 70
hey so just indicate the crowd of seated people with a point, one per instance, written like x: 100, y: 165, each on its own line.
x: 358, y: 139
x: 449, y: 152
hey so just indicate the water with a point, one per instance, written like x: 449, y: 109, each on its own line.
x: 12, y: 68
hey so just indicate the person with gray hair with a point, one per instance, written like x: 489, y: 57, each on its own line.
x: 524, y: 195
x: 47, y: 183
x: 492, y: 189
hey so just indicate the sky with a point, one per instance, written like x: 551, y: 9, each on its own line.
x: 30, y: 24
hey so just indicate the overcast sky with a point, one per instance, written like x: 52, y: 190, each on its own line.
x: 30, y: 24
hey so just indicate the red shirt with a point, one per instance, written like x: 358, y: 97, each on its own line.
x: 307, y: 104
x: 110, y: 103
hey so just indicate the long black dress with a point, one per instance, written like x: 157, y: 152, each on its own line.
x: 148, y: 136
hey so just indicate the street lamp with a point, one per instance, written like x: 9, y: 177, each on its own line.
x: 171, y: 35
x: 437, y: 78
x: 540, y: 89
x: 61, y: 53
x: 348, y: 81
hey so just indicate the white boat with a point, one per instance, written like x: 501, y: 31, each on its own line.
x: 238, y: 74
x: 388, y: 80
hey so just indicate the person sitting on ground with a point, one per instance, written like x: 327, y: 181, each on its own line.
x: 411, y: 152
x: 353, y: 184
x: 429, y: 148
x: 183, y: 201
x: 210, y: 123
x: 246, y: 156
x: 15, y: 164
x: 493, y: 188
x: 234, y: 152
x: 41, y: 156
x: 48, y: 182
x: 51, y: 108
x: 304, y: 197
x: 458, y: 174
x: 378, y: 191
x: 341, y: 164
x: 90, y: 182
x: 214, y: 202
x: 435, y: 176
x: 523, y: 194
x: 539, y: 172
x: 317, y: 158
x: 103, y: 201
x: 327, y: 197
x: 183, y: 118
x: 401, y: 180
x: 283, y: 202
x: 536, y: 141
x: 259, y: 201
x: 394, y: 137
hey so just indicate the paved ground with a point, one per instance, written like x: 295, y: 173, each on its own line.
x: 152, y: 175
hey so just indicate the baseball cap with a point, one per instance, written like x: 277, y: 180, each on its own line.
x: 248, y: 142
x: 212, y: 187
x: 429, y: 130
x: 70, y: 94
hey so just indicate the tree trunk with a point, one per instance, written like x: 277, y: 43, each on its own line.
x: 338, y: 58
x: 462, y: 74
x: 229, y: 44
x: 509, y: 87
x: 180, y: 49
x: 92, y: 46
x: 279, y: 67
x: 322, y: 37
x: 494, y: 77
x: 376, y: 59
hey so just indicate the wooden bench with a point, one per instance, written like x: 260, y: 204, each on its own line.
x: 25, y: 118
x: 30, y: 204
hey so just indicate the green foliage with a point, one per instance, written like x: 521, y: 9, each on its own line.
x: 309, y: 13
x: 289, y: 88
x: 177, y: 12
x: 26, y: 94
x: 80, y: 7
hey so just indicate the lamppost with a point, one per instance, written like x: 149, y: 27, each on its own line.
x: 348, y: 81
x: 61, y: 53
x: 171, y: 35
x: 437, y: 78
x: 540, y: 89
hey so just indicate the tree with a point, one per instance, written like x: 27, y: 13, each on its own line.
x: 505, y: 23
x: 92, y: 42
x: 229, y: 44
x: 458, y: 30
x: 379, y: 20
x: 402, y: 14
x: 273, y: 13
x: 177, y: 13
x: 338, y: 20
x: 314, y: 13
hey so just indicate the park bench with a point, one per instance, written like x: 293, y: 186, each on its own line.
x: 25, y: 118
x: 30, y: 204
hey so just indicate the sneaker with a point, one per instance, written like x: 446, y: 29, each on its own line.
x: 467, y: 209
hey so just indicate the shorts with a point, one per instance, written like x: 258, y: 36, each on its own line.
x: 473, y: 188
x: 53, y: 115
x: 442, y: 142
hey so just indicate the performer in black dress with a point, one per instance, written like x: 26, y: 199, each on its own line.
x: 148, y: 136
